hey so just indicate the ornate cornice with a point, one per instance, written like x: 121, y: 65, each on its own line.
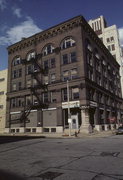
x: 44, y: 35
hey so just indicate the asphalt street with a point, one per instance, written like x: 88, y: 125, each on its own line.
x: 88, y: 158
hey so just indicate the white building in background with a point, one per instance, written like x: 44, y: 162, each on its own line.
x: 3, y: 91
x: 110, y: 37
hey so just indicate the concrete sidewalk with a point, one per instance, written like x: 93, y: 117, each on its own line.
x: 62, y: 135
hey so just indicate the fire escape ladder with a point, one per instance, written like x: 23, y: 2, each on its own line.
x: 40, y: 85
x: 35, y: 90
x: 25, y: 113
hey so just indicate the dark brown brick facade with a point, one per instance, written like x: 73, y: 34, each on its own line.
x: 80, y: 56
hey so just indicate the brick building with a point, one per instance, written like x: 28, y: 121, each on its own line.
x: 3, y: 90
x: 40, y: 68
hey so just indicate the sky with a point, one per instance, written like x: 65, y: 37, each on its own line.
x: 23, y: 18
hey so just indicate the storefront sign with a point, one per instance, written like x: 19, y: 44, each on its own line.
x: 72, y: 104
x: 93, y: 104
x: 84, y: 107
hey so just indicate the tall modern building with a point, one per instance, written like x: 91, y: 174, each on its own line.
x: 3, y: 91
x: 60, y: 75
x: 110, y: 37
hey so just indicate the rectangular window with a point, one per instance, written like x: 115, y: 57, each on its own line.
x: 14, y: 87
x: 108, y: 40
x: 53, y: 77
x: 113, y: 47
x: 73, y: 57
x: 19, y: 85
x: 2, y: 79
x: 14, y: 75
x: 73, y: 73
x: 13, y: 102
x: 28, y: 83
x: 28, y: 100
x: 35, y: 101
x: 64, y: 93
x: 65, y: 59
x: 34, y: 82
x: 112, y: 38
x: 45, y: 97
x: 29, y: 69
x: 90, y: 59
x: 75, y: 93
x: 46, y: 64
x: 109, y: 48
x: 1, y: 106
x: 65, y: 75
x: 46, y: 80
x: 2, y: 92
x: 19, y: 72
x: 19, y: 102
x: 53, y: 96
x: 90, y: 74
x: 52, y: 61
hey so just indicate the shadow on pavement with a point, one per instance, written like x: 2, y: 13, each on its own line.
x: 9, y: 176
x: 8, y: 139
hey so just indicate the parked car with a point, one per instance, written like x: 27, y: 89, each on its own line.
x: 119, y: 130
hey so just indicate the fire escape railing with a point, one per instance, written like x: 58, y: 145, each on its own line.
x: 35, y: 90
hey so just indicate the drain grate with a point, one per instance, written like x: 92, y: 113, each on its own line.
x: 114, y: 154
x: 49, y: 175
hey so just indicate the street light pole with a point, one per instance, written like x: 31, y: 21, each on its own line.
x: 69, y: 115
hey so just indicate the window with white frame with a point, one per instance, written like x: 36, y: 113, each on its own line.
x: 14, y: 86
x: 31, y: 55
x: 16, y: 61
x: 74, y: 73
x: 65, y: 59
x: 69, y: 42
x: 49, y: 49
x: 45, y: 97
x: 75, y: 93
x: 35, y: 101
x: 28, y: 83
x: 34, y: 82
x: 89, y: 59
x: 90, y: 74
x: 29, y: 69
x: 53, y: 96
x: 52, y: 63
x: 28, y: 100
x: 53, y: 77
x: 19, y: 85
x: 13, y: 102
x: 45, y: 79
x: 65, y: 75
x: 73, y: 57
x: 64, y: 94
x: 17, y: 73
x: 45, y: 64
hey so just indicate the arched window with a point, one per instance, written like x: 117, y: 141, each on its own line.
x: 31, y: 55
x: 16, y: 61
x: 68, y: 42
x: 48, y: 49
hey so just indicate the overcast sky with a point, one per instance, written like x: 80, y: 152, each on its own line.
x: 23, y: 18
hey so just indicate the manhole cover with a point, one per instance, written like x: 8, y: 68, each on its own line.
x: 114, y: 154
x: 49, y: 175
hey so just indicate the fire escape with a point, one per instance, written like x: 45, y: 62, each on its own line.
x: 37, y: 90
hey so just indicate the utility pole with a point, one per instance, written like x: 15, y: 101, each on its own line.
x: 69, y: 115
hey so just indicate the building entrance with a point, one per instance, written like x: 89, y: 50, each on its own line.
x: 74, y: 122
